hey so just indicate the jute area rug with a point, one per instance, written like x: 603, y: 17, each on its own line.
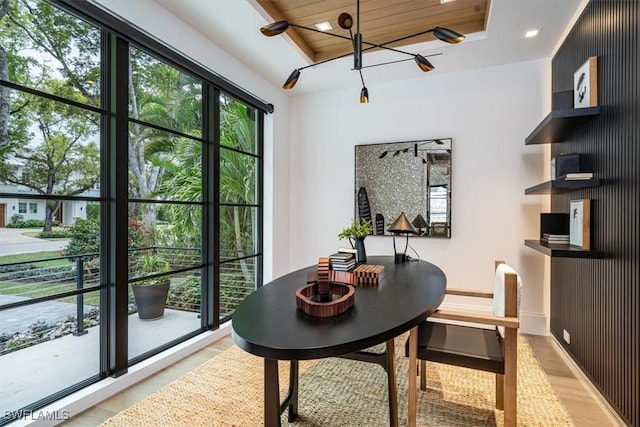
x: 227, y: 391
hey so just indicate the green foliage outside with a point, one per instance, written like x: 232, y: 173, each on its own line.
x: 51, y: 147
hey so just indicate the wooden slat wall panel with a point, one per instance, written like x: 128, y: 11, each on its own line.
x: 598, y: 301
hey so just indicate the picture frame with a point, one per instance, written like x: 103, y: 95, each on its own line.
x: 580, y: 223
x: 585, y: 84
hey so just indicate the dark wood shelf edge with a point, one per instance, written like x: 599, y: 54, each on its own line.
x: 562, y: 186
x: 562, y: 251
x: 559, y: 123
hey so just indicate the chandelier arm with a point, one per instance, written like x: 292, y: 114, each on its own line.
x: 325, y: 61
x: 410, y: 36
x: 318, y: 31
x: 361, y: 78
x: 399, y: 60
x: 387, y: 63
x: 382, y: 46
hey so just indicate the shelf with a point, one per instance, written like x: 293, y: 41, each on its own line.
x: 562, y: 186
x: 559, y: 124
x: 563, y: 251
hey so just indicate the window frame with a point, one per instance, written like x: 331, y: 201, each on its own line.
x: 117, y: 37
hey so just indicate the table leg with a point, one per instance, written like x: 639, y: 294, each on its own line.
x: 271, y: 394
x: 292, y: 396
x: 413, y: 358
x: 391, y: 384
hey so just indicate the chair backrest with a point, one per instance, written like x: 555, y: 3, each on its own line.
x: 506, y: 293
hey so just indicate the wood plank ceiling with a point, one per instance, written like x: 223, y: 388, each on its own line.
x: 380, y: 21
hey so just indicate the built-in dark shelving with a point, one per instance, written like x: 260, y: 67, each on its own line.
x: 559, y: 186
x: 562, y: 251
x: 559, y: 124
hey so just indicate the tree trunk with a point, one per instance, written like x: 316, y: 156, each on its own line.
x: 239, y: 246
x: 49, y: 213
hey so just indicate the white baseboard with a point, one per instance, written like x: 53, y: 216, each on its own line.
x: 84, y: 399
x: 530, y: 322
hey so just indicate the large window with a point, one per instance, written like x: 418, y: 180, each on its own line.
x: 141, y: 174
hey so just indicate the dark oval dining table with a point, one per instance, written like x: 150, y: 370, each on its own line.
x: 268, y: 324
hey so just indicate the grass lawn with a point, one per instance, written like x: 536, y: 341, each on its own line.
x: 8, y: 259
x: 34, y: 290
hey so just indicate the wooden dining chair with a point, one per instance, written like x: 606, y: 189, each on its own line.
x: 492, y: 350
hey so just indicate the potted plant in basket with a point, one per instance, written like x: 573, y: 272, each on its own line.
x: 356, y: 233
x: 151, y: 294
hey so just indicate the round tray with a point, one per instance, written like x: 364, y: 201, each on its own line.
x: 308, y: 300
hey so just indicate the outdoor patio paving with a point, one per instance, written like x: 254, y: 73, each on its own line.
x: 35, y: 372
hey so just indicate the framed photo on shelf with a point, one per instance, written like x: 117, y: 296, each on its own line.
x: 580, y: 223
x: 585, y: 84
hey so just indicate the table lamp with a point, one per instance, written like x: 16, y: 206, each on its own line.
x: 401, y: 226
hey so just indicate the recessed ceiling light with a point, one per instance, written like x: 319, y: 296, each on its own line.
x: 532, y: 33
x: 446, y: 1
x: 323, y: 26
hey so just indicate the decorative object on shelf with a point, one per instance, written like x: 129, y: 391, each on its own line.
x: 401, y: 226
x: 580, y: 223
x: 356, y: 233
x: 326, y: 294
x: 364, y: 210
x: 379, y: 224
x: 345, y: 21
x: 368, y: 275
x: 565, y: 163
x: 419, y: 223
x: 556, y: 224
x: 576, y: 176
x: 410, y: 176
x: 585, y: 84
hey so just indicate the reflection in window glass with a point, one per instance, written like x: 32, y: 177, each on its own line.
x: 33, y: 208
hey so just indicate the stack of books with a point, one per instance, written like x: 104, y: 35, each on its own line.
x: 342, y: 261
x: 576, y: 176
x: 555, y: 239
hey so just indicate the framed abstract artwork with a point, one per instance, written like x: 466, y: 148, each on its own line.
x: 585, y: 84
x: 580, y: 223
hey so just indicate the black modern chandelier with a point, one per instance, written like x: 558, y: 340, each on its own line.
x: 345, y: 21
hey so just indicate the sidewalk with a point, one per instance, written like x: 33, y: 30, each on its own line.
x: 12, y: 242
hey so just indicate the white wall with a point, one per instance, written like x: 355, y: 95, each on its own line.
x: 488, y: 113
x: 162, y: 25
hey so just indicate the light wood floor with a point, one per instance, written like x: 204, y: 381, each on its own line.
x: 584, y: 408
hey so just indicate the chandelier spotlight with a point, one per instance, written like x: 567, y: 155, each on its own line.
x: 345, y: 21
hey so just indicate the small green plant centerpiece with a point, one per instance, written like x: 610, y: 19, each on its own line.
x: 356, y: 233
x: 151, y: 294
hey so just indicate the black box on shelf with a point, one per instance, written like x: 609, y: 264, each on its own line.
x: 554, y: 223
x: 563, y: 164
x: 562, y: 100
